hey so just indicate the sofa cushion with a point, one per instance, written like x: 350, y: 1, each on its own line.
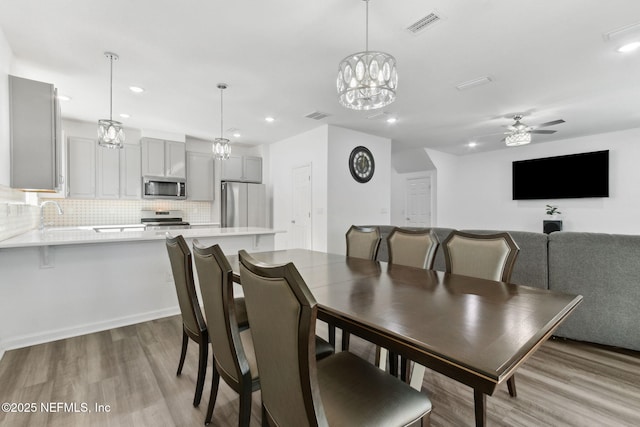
x: 605, y: 270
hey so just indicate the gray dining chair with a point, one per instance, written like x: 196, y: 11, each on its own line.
x: 362, y: 242
x: 485, y: 256
x: 297, y: 390
x: 412, y: 248
x: 193, y: 323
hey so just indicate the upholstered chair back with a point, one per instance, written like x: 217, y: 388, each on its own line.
x: 363, y: 242
x: 412, y: 248
x: 486, y: 256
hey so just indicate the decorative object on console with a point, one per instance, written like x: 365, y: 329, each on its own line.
x: 552, y: 211
x: 552, y: 224
x: 110, y: 132
x: 221, y: 147
x: 367, y: 80
x: 361, y: 164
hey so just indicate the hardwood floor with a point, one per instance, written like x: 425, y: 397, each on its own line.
x: 133, y: 371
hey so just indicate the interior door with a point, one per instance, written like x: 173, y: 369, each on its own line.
x: 301, y: 229
x: 418, y: 202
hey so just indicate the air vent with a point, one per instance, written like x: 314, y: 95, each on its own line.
x: 422, y: 24
x: 317, y: 115
x: 622, y: 32
x: 473, y: 83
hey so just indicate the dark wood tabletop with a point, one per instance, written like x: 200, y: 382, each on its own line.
x: 475, y: 331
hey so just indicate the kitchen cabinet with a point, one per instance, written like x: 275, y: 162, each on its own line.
x: 81, y: 174
x: 108, y: 173
x: 242, y: 168
x: 35, y: 135
x: 130, y: 175
x: 162, y: 158
x: 200, y: 176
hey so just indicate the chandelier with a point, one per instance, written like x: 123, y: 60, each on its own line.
x: 221, y: 147
x: 110, y: 132
x: 367, y: 80
x: 517, y: 138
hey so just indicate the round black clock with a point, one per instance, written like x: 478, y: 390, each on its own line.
x: 361, y: 164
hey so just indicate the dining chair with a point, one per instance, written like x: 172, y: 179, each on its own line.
x: 193, y: 323
x: 485, y: 256
x: 297, y: 390
x: 233, y: 356
x: 412, y: 248
x: 362, y: 242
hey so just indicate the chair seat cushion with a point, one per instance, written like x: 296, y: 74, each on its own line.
x: 323, y: 348
x: 356, y: 393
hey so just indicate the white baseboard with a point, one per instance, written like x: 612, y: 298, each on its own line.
x: 58, y: 334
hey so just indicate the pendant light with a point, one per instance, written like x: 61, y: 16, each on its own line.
x: 221, y: 147
x: 110, y: 132
x: 367, y: 80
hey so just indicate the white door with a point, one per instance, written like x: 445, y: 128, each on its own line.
x: 418, y: 206
x: 301, y: 206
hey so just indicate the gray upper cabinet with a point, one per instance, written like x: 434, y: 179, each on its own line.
x: 130, y: 176
x: 35, y: 135
x: 200, y: 176
x: 163, y: 158
x: 81, y: 165
x: 242, y: 168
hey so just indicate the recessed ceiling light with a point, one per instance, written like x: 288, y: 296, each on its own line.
x: 392, y: 120
x: 125, y: 115
x: 270, y: 119
x: 472, y: 144
x: 237, y: 135
x: 136, y: 89
x: 64, y: 98
x: 629, y: 47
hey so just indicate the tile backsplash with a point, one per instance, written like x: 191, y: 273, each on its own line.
x: 110, y: 212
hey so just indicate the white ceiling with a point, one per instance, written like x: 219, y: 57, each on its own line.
x: 547, y: 59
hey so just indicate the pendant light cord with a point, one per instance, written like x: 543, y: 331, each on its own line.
x: 221, y: 112
x: 111, y: 89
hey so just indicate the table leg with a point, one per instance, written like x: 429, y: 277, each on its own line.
x: 480, y: 403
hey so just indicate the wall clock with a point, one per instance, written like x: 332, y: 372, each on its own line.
x: 361, y: 164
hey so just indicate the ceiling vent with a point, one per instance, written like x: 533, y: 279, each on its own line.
x: 422, y: 24
x: 622, y: 32
x: 317, y: 115
x: 473, y: 83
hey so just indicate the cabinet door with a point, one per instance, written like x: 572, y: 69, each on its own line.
x: 199, y: 176
x: 232, y: 169
x: 175, y: 160
x: 108, y: 170
x: 130, y: 176
x: 33, y: 118
x: 81, y: 175
x: 252, y: 169
x: 152, y: 157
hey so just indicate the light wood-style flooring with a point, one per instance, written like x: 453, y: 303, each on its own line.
x: 133, y: 371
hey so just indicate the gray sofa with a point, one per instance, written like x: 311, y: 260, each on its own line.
x: 603, y: 268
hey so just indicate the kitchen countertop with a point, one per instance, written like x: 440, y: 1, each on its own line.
x: 88, y: 235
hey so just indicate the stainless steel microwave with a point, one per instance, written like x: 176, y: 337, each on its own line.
x: 154, y: 187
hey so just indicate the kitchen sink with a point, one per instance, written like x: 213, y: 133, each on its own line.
x: 118, y: 228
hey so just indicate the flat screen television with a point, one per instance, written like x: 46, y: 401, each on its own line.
x: 562, y: 177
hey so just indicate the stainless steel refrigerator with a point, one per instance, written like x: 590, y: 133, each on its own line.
x: 243, y: 205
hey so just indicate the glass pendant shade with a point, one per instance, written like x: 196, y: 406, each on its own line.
x: 110, y: 132
x: 367, y: 80
x: 517, y: 138
x: 221, y: 147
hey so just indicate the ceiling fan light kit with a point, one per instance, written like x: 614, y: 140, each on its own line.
x: 520, y: 133
x: 367, y: 80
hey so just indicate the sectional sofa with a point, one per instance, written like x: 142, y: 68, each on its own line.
x: 603, y: 268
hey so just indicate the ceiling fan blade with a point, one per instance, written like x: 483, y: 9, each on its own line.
x: 543, y: 131
x: 552, y: 123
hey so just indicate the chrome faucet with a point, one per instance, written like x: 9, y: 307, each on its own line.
x: 42, y: 205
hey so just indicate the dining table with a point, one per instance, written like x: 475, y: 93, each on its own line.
x: 475, y: 331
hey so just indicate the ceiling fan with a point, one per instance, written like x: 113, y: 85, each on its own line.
x: 520, y: 133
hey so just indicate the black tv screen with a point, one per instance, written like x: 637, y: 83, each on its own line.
x: 562, y: 177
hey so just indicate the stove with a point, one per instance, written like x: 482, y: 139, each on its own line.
x: 162, y: 220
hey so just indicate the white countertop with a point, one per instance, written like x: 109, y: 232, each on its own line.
x: 84, y: 235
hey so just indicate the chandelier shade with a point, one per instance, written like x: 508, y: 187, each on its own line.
x: 110, y: 132
x: 517, y: 138
x: 221, y: 147
x: 367, y: 80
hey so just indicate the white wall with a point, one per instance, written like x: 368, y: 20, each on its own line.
x: 351, y: 202
x: 308, y: 148
x: 475, y: 190
x: 6, y: 60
